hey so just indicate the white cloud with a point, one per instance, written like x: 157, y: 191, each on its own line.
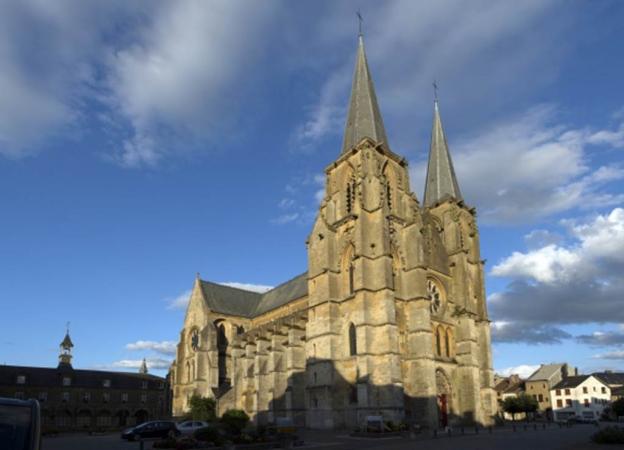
x: 599, y: 243
x: 529, y: 167
x: 152, y: 363
x: 164, y: 347
x: 524, y: 370
x: 285, y: 218
x: 161, y: 75
x: 541, y: 238
x: 179, y: 302
x: 510, y: 332
x: 248, y: 286
x: 617, y: 355
x: 612, y: 138
x: 180, y: 77
x: 577, y: 283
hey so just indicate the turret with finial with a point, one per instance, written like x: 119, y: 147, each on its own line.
x: 66, y: 346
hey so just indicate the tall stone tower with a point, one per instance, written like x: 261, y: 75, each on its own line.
x: 396, y: 318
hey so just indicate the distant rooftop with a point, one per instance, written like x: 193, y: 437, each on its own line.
x: 545, y: 372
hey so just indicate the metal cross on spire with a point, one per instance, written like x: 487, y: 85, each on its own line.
x: 435, y: 90
x: 67, y: 327
x: 360, y: 21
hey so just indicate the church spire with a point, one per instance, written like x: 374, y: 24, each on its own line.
x: 363, y: 118
x: 441, y: 180
x: 143, y: 368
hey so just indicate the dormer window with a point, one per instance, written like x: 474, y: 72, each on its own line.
x: 66, y: 381
x: 106, y: 383
x: 21, y: 379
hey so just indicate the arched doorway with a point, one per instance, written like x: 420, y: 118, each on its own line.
x: 444, y: 398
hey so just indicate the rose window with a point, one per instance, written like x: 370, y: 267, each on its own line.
x: 435, y: 296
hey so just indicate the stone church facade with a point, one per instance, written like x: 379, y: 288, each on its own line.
x: 389, y: 319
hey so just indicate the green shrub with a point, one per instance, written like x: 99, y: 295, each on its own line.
x: 234, y: 420
x: 609, y: 435
x: 203, y: 408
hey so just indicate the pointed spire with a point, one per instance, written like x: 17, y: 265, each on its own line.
x: 143, y: 368
x: 65, y: 356
x: 363, y: 118
x: 441, y: 180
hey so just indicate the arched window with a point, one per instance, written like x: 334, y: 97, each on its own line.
x: 439, y: 341
x: 347, y: 268
x: 351, y: 278
x: 222, y: 345
x: 449, y: 343
x: 188, y: 372
x: 352, y: 340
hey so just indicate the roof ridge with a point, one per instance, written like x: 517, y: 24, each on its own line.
x: 284, y: 283
x: 229, y: 287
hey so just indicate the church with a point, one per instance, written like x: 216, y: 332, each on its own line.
x: 389, y: 319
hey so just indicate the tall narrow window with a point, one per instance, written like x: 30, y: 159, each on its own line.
x: 222, y: 345
x: 352, y: 340
x: 351, y: 273
x: 439, y: 341
x: 448, y: 342
x: 389, y: 195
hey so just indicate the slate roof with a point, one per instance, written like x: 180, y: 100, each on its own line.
x: 610, y: 378
x: 240, y: 302
x: 571, y: 382
x: 545, y: 372
x: 49, y: 377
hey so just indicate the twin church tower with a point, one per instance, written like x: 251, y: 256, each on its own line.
x: 389, y: 319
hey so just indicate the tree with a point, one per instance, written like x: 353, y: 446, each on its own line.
x: 618, y: 407
x: 203, y: 408
x: 527, y: 404
x: 235, y: 420
x: 512, y: 406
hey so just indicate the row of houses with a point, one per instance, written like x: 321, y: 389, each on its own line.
x: 561, y: 392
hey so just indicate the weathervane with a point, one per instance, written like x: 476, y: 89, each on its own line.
x: 67, y: 327
x: 435, y: 90
x: 360, y: 20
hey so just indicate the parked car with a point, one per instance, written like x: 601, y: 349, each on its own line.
x: 20, y: 424
x: 153, y: 429
x: 189, y: 426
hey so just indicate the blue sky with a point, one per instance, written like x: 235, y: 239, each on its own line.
x: 142, y: 143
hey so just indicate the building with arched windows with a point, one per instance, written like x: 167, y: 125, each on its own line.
x: 389, y: 319
x: 87, y: 400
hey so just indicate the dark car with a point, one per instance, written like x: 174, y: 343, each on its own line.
x: 154, y: 429
x: 20, y: 424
